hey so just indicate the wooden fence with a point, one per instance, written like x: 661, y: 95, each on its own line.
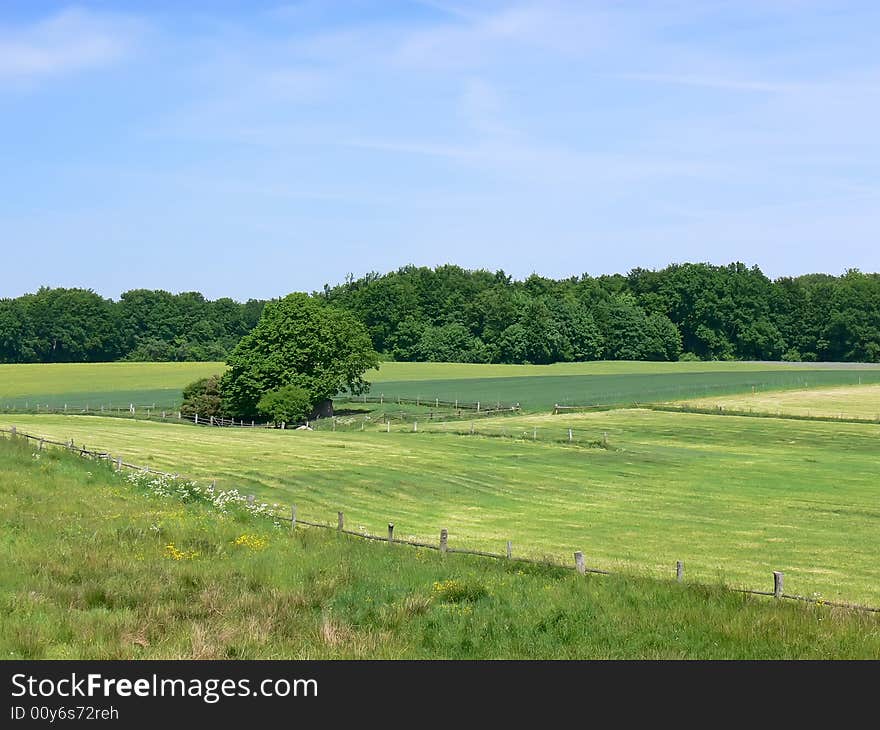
x: 442, y: 546
x: 436, y: 403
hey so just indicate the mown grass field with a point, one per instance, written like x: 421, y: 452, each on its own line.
x: 96, y: 567
x: 859, y: 401
x: 735, y: 498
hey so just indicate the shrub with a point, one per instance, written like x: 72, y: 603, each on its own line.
x: 288, y: 404
x: 203, y: 397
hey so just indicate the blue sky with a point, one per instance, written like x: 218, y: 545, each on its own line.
x: 249, y: 149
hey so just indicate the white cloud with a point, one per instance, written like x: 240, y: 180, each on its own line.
x: 70, y: 41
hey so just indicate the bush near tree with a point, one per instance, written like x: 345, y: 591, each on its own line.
x: 290, y: 404
x: 203, y: 397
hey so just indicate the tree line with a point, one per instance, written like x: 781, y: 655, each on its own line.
x: 450, y: 314
x: 78, y: 325
x: 690, y: 311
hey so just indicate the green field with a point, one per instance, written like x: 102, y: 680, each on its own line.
x: 542, y: 392
x: 534, y: 387
x: 94, y: 384
x: 407, y: 371
x: 735, y: 498
x: 99, y: 567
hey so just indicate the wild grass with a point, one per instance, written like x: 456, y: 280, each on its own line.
x: 88, y: 574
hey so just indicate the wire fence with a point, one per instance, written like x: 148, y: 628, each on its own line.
x: 721, y: 410
x: 140, y: 412
x: 442, y: 545
x: 436, y: 402
x: 432, y: 409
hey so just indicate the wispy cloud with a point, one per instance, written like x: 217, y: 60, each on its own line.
x: 70, y: 41
x: 715, y: 82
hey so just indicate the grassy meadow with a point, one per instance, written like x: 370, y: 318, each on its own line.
x: 101, y: 567
x: 734, y: 498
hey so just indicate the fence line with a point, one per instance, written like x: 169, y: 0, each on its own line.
x: 151, y: 413
x: 720, y: 410
x: 442, y: 546
x: 476, y: 406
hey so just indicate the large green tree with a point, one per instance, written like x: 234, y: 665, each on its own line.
x: 299, y: 341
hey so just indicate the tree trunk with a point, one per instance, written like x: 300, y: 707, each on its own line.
x: 323, y: 409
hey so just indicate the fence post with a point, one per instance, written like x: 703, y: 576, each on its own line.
x: 283, y: 425
x: 381, y: 398
x: 340, y: 521
x: 41, y: 444
x: 13, y: 432
x: 569, y: 436
x: 509, y: 549
x: 415, y: 426
x: 472, y: 428
x: 444, y: 541
x: 390, y: 532
x: 212, y: 420
x: 197, y: 419
x: 679, y: 571
x: 535, y: 434
x: 478, y: 406
x: 388, y: 426
x: 118, y: 463
x: 605, y: 438
x: 777, y: 583
x: 579, y: 562
x: 293, y: 517
x: 436, y: 402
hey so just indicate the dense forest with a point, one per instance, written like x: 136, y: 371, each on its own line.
x: 683, y: 311
x: 78, y: 325
x: 451, y: 314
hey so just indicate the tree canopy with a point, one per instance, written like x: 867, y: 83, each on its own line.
x: 695, y: 310
x: 299, y: 341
